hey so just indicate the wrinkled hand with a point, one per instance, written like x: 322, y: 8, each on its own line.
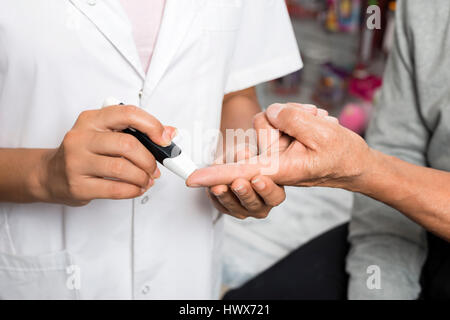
x: 313, y: 151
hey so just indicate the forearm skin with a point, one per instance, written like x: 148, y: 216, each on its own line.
x: 422, y: 194
x: 21, y: 174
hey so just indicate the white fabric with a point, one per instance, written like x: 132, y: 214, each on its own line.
x: 58, y: 58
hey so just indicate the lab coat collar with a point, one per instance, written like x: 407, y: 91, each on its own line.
x: 111, y: 20
x: 177, y: 19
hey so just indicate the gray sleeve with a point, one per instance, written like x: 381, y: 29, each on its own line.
x: 379, y: 235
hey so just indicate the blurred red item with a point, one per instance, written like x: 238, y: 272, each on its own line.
x: 296, y: 10
x: 363, y: 85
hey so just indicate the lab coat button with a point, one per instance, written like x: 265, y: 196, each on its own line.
x: 92, y: 2
x: 144, y: 200
x: 145, y: 289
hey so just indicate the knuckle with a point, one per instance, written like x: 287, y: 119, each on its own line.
x: 73, y: 139
x: 116, y: 191
x: 127, y: 143
x: 244, y: 196
x: 85, y: 115
x: 116, y: 167
x: 259, y: 119
x: 327, y: 134
x: 262, y: 215
x: 70, y: 138
x: 129, y: 112
x: 253, y: 205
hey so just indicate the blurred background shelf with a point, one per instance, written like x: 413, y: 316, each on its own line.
x: 317, y: 47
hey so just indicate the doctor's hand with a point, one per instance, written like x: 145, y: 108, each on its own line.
x: 244, y: 198
x: 97, y: 161
x: 320, y: 152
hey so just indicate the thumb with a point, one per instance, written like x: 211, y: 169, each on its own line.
x: 296, y: 122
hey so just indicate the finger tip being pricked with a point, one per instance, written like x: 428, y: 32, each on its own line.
x: 192, y: 183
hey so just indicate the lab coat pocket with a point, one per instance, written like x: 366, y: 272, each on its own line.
x: 46, y: 277
x: 222, y: 15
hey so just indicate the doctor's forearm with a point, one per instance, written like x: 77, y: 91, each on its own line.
x: 422, y: 194
x: 238, y: 110
x: 19, y: 175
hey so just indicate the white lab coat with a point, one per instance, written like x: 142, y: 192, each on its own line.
x: 60, y: 57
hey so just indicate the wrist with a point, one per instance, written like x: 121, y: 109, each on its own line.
x: 38, y: 181
x: 370, y: 166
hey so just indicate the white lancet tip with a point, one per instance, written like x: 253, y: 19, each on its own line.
x: 182, y: 166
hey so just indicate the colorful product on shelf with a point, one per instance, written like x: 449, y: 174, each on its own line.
x: 331, y: 21
x: 343, y: 15
x: 331, y: 89
x: 362, y: 88
x: 363, y: 85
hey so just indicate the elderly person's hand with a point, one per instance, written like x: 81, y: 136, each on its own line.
x: 313, y: 151
x: 256, y: 197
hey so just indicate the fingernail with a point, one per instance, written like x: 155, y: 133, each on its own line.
x: 258, y: 184
x: 156, y: 174
x: 174, y: 134
x: 166, y: 136
x: 240, y: 190
x: 274, y: 110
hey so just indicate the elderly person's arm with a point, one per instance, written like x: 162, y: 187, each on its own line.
x: 323, y: 153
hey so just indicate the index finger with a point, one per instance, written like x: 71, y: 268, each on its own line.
x: 123, y: 117
x: 223, y: 174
